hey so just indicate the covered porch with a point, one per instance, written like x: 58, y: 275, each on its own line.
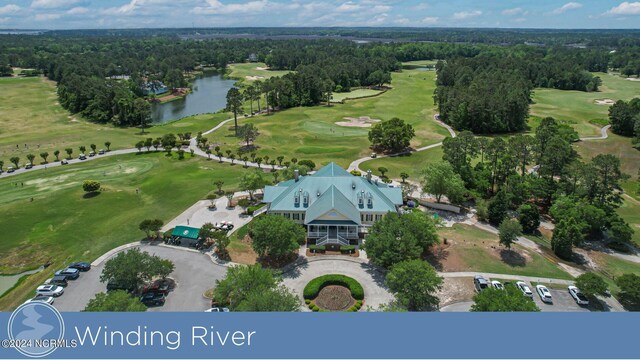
x: 332, y: 232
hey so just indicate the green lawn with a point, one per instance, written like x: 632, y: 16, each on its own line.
x: 311, y: 132
x: 354, y: 94
x: 578, y: 108
x: 252, y: 71
x: 478, y: 250
x: 30, y: 114
x: 61, y: 225
x: 412, y: 164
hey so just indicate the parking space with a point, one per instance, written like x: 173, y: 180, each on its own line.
x: 562, y: 302
x: 194, y: 273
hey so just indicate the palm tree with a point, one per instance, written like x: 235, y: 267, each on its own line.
x: 83, y: 149
x: 31, y: 157
x: 219, y: 155
x: 280, y: 160
x: 218, y: 184
x: 108, y: 145
x: 273, y: 164
x: 228, y: 152
x: 266, y: 159
x: 259, y: 161
x: 276, y: 175
x: 404, y: 176
x: 57, y: 154
x: 233, y: 158
x: 208, y: 153
x: 69, y: 151
x: 253, y: 156
x: 294, y: 160
x: 44, y: 156
x: 94, y: 147
x: 245, y: 159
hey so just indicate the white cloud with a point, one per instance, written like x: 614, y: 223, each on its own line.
x: 514, y: 12
x: 215, y: 7
x: 626, y: 8
x: 463, y: 15
x: 566, y: 7
x: 402, y: 21
x: 421, y: 6
x: 53, y: 4
x: 78, y: 10
x: 518, y: 20
x: 9, y: 9
x: 430, y: 20
x: 349, y: 6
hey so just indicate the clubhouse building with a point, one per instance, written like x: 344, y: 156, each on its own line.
x: 335, y: 206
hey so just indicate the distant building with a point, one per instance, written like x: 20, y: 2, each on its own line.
x: 154, y: 87
x: 253, y: 58
x: 335, y: 206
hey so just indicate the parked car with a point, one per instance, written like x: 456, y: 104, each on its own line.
x: 162, y: 286
x: 578, y: 296
x: 41, y: 298
x: 70, y: 273
x: 374, y: 155
x: 64, y: 162
x: 59, y: 280
x: 49, y: 290
x: 82, y: 157
x: 153, y: 298
x: 80, y: 265
x: 544, y: 293
x: 496, y: 284
x: 480, y: 283
x: 524, y: 288
x: 28, y: 166
x: 92, y: 154
x: 11, y: 169
x: 101, y: 152
x: 217, y: 309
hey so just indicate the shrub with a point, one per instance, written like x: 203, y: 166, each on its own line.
x: 356, y: 173
x: 314, y: 286
x: 307, y: 301
x: 317, y: 248
x: 349, y: 249
x: 387, y: 180
x: 308, y: 163
x: 91, y: 186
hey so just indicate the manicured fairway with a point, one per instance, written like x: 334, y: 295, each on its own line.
x: 412, y: 164
x: 311, y: 132
x: 256, y: 71
x: 579, y: 108
x: 61, y: 225
x: 355, y: 94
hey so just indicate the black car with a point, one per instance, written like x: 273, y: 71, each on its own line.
x: 153, y: 298
x: 81, y: 265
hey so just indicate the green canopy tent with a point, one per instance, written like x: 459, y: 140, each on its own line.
x: 185, y: 232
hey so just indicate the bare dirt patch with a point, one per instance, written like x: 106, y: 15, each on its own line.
x: 334, y: 298
x: 362, y: 122
x: 607, y: 102
x: 455, y: 290
x: 632, y: 79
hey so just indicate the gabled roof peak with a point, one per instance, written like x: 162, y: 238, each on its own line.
x: 331, y: 170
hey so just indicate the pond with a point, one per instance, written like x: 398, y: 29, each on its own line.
x: 209, y: 95
x: 8, y: 281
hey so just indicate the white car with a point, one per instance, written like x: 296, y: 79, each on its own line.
x: 496, y: 284
x: 49, y: 290
x: 41, y: 298
x: 544, y: 293
x: 217, y: 309
x: 524, y: 288
x: 578, y: 296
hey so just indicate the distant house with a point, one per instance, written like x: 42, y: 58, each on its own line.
x: 253, y: 58
x: 335, y: 206
x: 154, y: 87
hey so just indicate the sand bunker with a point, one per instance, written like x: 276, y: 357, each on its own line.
x: 633, y: 79
x: 262, y: 68
x: 254, y: 78
x: 362, y: 121
x: 604, y: 102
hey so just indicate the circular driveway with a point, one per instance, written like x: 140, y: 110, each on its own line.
x: 194, y: 273
x: 371, y: 279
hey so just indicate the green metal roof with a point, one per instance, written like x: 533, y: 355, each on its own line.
x: 346, y: 194
x: 332, y: 200
x: 186, y: 232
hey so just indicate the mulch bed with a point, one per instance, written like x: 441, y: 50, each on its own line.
x: 327, y: 252
x: 334, y: 298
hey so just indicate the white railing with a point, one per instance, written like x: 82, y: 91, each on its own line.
x: 322, y: 240
x: 342, y: 241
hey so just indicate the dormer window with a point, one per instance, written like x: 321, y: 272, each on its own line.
x: 305, y: 199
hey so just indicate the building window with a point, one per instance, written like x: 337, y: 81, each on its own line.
x: 296, y: 216
x: 378, y: 217
x: 361, y: 217
x: 287, y: 215
x: 369, y: 217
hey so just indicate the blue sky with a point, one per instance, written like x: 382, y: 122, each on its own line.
x: 73, y: 14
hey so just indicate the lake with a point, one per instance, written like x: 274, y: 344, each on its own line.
x: 208, y: 95
x: 7, y: 281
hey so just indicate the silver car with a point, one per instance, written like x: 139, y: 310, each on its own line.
x: 544, y: 293
x: 524, y: 288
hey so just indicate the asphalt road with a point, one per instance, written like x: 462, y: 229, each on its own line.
x: 194, y: 273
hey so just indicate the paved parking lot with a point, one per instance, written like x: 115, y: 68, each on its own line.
x: 194, y: 273
x: 562, y: 301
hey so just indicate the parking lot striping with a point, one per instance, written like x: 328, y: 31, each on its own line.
x: 506, y: 276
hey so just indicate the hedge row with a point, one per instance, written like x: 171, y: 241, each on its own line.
x: 314, y: 286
